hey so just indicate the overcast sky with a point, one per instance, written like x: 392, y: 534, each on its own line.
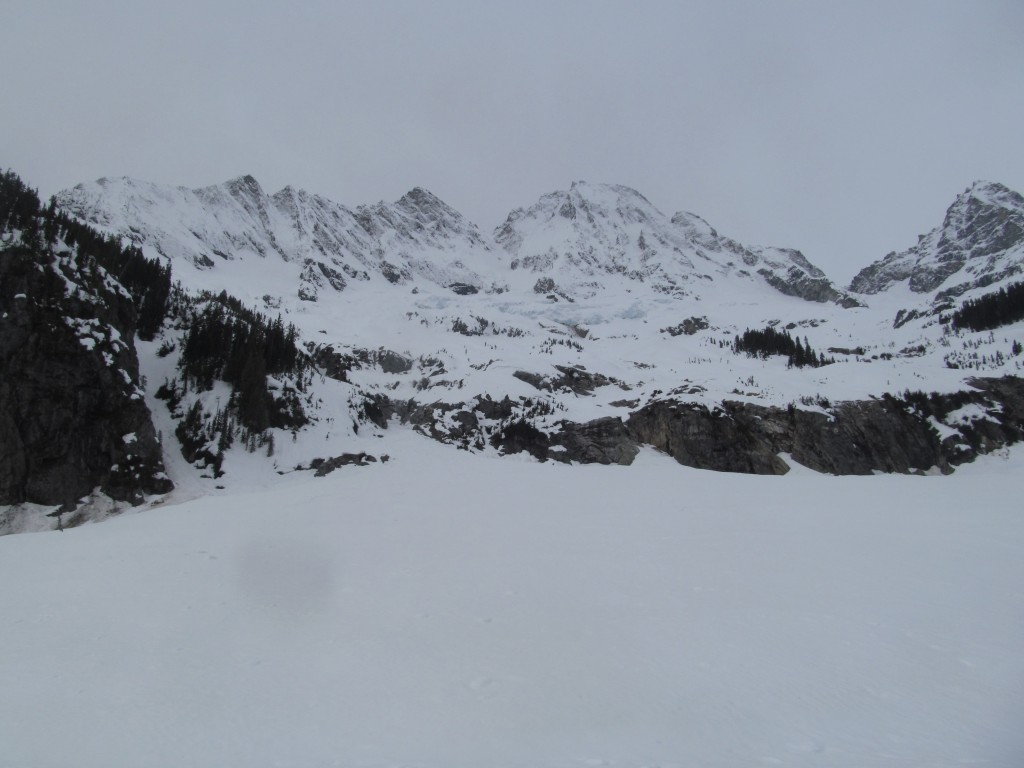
x: 841, y: 129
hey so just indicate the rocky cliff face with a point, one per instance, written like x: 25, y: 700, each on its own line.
x: 980, y: 243
x: 72, y: 414
x: 914, y: 433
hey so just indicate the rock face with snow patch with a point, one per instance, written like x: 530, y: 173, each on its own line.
x: 887, y: 434
x: 980, y: 243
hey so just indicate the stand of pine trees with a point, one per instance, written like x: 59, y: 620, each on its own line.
x: 147, y: 280
x: 770, y: 341
x: 225, y: 341
x: 1003, y: 307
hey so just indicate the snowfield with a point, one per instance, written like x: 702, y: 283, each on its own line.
x: 455, y: 610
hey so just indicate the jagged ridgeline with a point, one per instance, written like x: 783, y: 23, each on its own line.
x: 227, y: 342
x: 73, y: 417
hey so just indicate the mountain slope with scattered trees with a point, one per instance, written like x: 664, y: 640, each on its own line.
x: 257, y: 358
x: 73, y: 417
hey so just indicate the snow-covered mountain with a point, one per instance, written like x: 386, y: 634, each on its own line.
x: 575, y: 244
x: 314, y: 243
x: 579, y: 242
x: 639, y: 292
x: 979, y: 244
x: 302, y: 333
x: 594, y: 277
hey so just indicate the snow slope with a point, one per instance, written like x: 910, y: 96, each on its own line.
x: 453, y: 610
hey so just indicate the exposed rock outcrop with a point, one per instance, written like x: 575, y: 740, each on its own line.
x: 575, y: 379
x: 324, y: 467
x: 913, y: 433
x: 727, y: 439
x: 510, y: 426
x: 909, y: 434
x: 336, y: 365
x: 688, y: 327
x: 601, y: 441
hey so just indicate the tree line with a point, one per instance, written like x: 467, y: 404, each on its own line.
x: 771, y: 341
x: 993, y: 310
x: 41, y: 228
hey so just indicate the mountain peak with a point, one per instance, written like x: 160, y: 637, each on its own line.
x: 246, y: 184
x: 601, y: 192
x: 695, y: 226
x: 983, y: 186
x: 990, y: 193
x: 978, y: 244
x: 593, y: 237
x: 420, y: 198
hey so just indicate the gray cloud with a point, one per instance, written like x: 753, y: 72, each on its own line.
x: 840, y: 129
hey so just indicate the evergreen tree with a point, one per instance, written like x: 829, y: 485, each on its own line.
x: 252, y: 391
x: 1002, y: 307
x: 770, y: 341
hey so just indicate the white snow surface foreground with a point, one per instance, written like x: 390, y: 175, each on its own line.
x: 455, y: 609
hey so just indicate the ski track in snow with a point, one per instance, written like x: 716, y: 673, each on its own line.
x: 451, y: 609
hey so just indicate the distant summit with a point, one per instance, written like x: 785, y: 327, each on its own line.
x: 592, y: 236
x: 571, y: 245
x: 980, y: 242
x: 418, y: 238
